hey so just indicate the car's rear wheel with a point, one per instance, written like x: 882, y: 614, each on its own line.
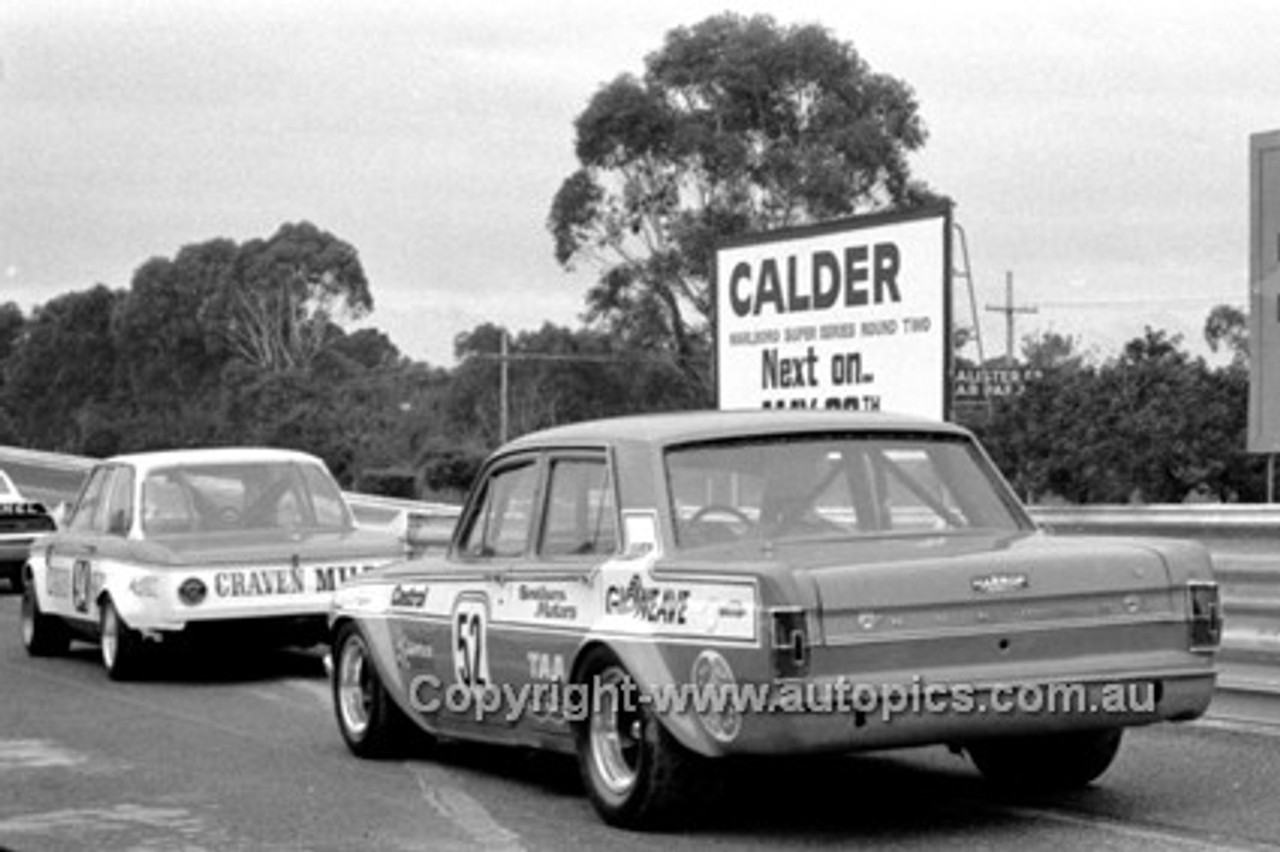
x: 371, y: 723
x: 635, y: 771
x: 42, y: 635
x: 1053, y: 762
x: 121, y: 645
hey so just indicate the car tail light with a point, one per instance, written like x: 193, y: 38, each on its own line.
x: 790, y: 641
x: 1205, y: 609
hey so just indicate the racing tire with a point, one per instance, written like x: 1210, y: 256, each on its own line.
x: 121, y: 646
x: 42, y: 635
x: 1046, y: 763
x: 637, y: 775
x: 372, y: 725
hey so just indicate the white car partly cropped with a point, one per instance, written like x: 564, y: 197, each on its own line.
x: 22, y: 523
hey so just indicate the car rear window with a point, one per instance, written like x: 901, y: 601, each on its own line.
x: 201, y: 498
x: 834, y: 485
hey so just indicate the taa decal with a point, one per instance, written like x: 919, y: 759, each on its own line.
x: 470, y: 650
x: 544, y: 666
x: 81, y: 579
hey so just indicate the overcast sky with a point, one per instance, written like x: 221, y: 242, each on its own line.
x: 1098, y: 150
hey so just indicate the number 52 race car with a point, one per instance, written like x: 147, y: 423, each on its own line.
x: 245, y: 542
x: 655, y: 593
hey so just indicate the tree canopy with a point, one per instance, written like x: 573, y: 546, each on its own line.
x: 737, y: 125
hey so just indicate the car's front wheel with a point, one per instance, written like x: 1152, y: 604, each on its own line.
x: 371, y: 723
x: 636, y: 773
x: 1052, y: 762
x: 121, y: 645
x: 42, y: 635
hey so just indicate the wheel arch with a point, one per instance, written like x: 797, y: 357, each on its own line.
x: 646, y: 664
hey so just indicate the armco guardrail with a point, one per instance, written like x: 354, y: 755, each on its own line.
x: 1196, y: 520
x: 395, y: 515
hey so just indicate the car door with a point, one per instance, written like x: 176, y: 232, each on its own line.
x: 495, y: 536
x: 74, y: 575
x: 545, y: 605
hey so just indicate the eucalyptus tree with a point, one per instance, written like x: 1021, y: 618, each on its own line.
x: 737, y: 125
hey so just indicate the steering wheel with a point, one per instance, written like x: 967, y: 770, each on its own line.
x: 734, y: 512
x: 229, y: 516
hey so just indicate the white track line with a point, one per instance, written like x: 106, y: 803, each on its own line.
x: 465, y: 812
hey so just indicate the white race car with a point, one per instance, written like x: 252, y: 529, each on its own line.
x: 160, y: 545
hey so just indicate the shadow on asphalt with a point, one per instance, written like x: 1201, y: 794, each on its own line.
x: 227, y: 664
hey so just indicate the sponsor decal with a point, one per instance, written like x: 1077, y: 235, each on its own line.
x: 551, y: 603
x: 330, y: 577
x: 732, y: 610
x: 648, y: 603
x: 266, y: 582
x: 193, y: 591
x: 409, y: 595
x: 640, y: 531
x: 414, y: 653
x: 995, y: 584
x: 544, y: 666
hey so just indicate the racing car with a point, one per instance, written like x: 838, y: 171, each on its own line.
x: 241, y: 543
x: 657, y: 593
x: 22, y: 521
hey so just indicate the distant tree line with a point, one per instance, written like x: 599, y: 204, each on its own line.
x: 229, y: 344
x: 1152, y: 424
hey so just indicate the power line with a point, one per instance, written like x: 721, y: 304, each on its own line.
x: 1145, y: 302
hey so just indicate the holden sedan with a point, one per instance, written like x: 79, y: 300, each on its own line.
x: 239, y: 542
x: 657, y: 593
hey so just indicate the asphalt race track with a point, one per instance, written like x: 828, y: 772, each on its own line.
x: 239, y: 752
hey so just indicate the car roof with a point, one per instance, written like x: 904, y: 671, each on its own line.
x: 689, y: 426
x: 209, y: 455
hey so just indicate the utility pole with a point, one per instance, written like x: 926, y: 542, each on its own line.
x: 505, y: 356
x: 503, y: 392
x: 1009, y: 309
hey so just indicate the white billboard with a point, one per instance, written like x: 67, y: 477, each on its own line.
x: 852, y: 315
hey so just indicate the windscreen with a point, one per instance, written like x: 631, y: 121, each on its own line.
x: 815, y: 486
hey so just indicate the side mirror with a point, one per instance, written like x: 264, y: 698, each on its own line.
x: 59, y: 514
x: 426, y: 531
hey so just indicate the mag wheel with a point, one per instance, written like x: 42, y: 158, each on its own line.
x: 121, y: 645
x: 1055, y: 762
x: 42, y: 635
x: 635, y: 772
x: 371, y: 723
